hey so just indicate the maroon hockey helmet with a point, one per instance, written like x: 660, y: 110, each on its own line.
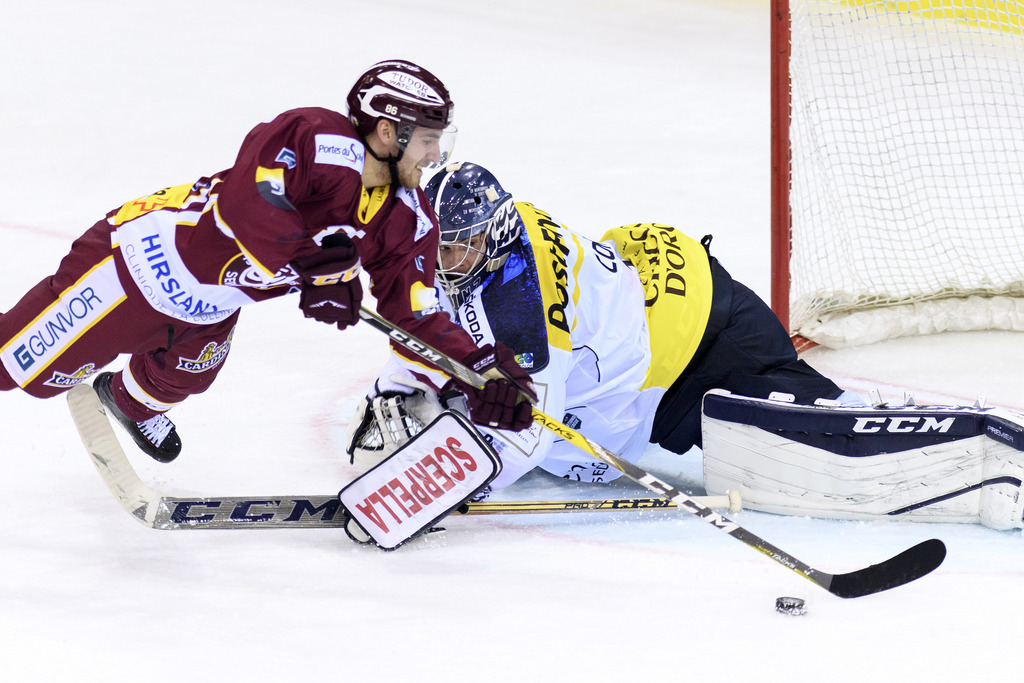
x: 399, y: 91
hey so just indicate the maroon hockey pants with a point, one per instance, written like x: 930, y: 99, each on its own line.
x: 77, y: 321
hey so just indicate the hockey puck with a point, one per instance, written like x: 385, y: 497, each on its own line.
x: 791, y: 606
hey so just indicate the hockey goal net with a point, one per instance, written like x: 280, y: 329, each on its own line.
x: 898, y: 167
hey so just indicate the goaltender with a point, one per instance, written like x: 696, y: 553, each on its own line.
x: 623, y: 336
x: 626, y: 337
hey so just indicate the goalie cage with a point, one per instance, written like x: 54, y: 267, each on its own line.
x: 897, y: 165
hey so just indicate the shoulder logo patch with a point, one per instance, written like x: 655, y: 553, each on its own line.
x: 339, y: 150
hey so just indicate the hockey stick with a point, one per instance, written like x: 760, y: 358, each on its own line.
x: 731, y: 502
x: 907, y: 566
x: 158, y: 511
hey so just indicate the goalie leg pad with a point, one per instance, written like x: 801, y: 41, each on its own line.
x: 435, y: 472
x: 1002, y: 497
x: 937, y: 464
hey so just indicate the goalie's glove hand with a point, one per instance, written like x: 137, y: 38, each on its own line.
x: 505, y: 401
x: 331, y: 291
x: 384, y: 422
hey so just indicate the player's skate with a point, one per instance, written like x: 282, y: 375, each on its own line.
x: 156, y: 436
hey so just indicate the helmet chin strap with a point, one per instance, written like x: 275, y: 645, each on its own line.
x: 393, y: 159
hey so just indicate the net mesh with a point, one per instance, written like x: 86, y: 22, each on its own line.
x: 907, y: 140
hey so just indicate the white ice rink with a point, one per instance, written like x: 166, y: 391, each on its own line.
x: 602, y: 112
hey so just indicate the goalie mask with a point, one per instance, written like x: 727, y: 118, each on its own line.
x: 479, y: 226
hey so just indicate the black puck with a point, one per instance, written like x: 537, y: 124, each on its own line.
x: 791, y: 606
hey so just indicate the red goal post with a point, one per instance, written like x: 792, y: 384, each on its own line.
x: 897, y: 167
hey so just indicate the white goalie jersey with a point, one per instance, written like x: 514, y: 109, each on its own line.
x: 574, y: 313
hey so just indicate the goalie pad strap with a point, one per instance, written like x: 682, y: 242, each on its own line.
x: 846, y: 432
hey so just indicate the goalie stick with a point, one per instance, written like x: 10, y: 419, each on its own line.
x: 907, y: 566
x: 731, y: 501
x: 158, y: 511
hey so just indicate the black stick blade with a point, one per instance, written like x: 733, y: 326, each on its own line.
x: 911, y: 564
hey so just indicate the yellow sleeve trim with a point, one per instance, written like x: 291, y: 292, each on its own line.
x: 167, y: 198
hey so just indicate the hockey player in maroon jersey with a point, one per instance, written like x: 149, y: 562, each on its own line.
x: 313, y: 197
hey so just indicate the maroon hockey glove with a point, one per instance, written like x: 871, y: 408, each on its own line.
x: 505, y: 401
x: 331, y: 291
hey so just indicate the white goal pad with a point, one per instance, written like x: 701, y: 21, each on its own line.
x: 928, y: 463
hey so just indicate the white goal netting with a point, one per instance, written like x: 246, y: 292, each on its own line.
x: 907, y: 141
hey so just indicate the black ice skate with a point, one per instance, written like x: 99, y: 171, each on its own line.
x: 155, y: 436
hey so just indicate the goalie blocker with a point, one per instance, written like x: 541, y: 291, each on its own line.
x: 928, y: 463
x: 432, y: 474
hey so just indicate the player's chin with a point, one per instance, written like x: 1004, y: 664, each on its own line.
x: 411, y: 179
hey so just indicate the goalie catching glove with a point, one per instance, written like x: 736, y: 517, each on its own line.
x: 331, y: 291
x: 505, y: 402
x: 383, y: 423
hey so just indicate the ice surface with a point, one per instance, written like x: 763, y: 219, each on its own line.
x: 603, y: 113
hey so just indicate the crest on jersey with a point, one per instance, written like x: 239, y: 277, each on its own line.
x: 240, y: 272
x: 59, y: 379
x: 212, y: 355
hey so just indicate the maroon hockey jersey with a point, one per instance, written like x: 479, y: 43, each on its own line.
x: 198, y: 252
